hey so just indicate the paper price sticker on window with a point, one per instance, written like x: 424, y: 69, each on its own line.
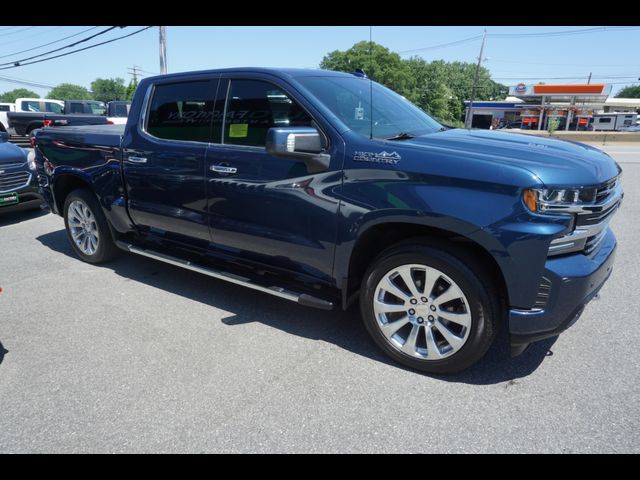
x: 359, y: 112
x: 238, y: 130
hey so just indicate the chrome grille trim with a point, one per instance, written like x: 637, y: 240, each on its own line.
x: 593, y: 242
x: 10, y: 182
x: 605, y: 190
x: 12, y: 165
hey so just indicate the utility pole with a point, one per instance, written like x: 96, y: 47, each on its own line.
x: 467, y: 122
x: 133, y: 71
x: 589, y: 81
x: 163, y: 51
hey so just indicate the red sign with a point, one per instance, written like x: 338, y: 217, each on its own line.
x: 591, y: 88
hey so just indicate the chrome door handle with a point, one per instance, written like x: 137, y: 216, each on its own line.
x: 223, y: 169
x: 137, y: 160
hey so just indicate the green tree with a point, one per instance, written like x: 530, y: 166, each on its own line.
x: 131, y: 89
x: 432, y: 93
x: 109, y: 89
x: 12, y: 95
x: 378, y: 62
x: 69, y: 91
x: 440, y: 88
x: 632, y: 91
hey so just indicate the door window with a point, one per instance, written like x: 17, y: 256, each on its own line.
x: 253, y: 107
x: 181, y: 111
x: 28, y: 106
x: 53, y: 107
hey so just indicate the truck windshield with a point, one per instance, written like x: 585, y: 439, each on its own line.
x: 350, y: 100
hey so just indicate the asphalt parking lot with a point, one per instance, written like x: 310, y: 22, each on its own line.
x: 139, y: 356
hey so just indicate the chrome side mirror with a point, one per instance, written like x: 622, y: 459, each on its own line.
x: 298, y: 143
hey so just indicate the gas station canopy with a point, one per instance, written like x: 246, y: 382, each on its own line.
x: 574, y: 94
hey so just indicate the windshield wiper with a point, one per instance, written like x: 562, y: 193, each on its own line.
x: 401, y: 136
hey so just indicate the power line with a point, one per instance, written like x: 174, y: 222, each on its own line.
x: 11, y: 33
x: 17, y: 62
x: 559, y: 64
x: 525, y: 34
x: 50, y: 43
x: 39, y: 33
x: 561, y: 32
x: 604, y: 77
x: 79, y: 50
x: 145, y: 71
x: 20, y: 81
x: 442, y: 45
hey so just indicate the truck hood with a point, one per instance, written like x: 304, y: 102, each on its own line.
x: 10, y: 153
x: 554, y: 162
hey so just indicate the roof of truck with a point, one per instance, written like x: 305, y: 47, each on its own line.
x: 287, y: 72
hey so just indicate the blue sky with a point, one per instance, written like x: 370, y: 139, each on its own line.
x: 611, y: 54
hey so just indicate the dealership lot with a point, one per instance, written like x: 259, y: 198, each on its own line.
x: 145, y: 357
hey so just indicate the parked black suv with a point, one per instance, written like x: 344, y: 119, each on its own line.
x: 18, y: 179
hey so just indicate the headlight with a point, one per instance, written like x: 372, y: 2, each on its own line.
x: 31, y: 161
x: 557, y: 200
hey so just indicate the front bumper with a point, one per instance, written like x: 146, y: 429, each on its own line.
x: 28, y: 198
x: 575, y: 280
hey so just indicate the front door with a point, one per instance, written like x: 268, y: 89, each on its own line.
x: 165, y: 161
x: 264, y: 209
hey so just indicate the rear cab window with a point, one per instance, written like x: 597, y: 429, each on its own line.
x: 181, y: 111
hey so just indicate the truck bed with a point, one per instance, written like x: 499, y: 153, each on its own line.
x: 95, y: 135
x: 25, y: 122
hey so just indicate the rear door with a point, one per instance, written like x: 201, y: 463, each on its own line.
x: 164, y: 160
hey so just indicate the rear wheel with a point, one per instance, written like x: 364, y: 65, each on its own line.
x: 429, y: 309
x: 87, y: 228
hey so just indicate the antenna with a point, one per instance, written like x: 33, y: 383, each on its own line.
x: 371, y: 82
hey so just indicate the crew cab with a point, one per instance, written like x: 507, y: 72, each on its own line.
x: 18, y: 180
x: 328, y: 189
x: 74, y: 112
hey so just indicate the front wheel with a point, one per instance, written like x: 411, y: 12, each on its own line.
x: 428, y: 309
x: 87, y: 228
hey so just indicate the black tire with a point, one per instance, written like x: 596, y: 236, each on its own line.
x: 106, y: 249
x: 470, y: 277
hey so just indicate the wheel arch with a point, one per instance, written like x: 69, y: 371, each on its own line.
x: 63, y: 185
x: 381, y: 236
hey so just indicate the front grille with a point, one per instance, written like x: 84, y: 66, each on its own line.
x: 593, y: 241
x: 605, y: 190
x: 596, y: 217
x: 11, y: 165
x: 10, y: 182
x: 544, y: 290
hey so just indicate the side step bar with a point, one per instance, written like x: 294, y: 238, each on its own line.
x: 301, y: 298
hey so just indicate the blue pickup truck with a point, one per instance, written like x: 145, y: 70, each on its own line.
x: 328, y: 189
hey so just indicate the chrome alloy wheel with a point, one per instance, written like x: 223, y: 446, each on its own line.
x: 83, y: 227
x: 422, y: 312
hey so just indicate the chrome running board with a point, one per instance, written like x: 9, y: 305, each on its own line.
x: 301, y: 298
